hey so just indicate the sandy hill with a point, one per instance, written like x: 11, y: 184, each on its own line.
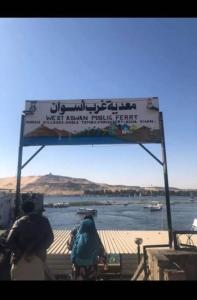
x: 56, y: 185
x: 61, y: 185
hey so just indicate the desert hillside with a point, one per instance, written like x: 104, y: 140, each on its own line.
x: 56, y: 185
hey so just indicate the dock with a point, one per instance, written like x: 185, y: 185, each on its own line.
x: 118, y: 243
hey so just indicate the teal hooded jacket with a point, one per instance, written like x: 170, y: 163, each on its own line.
x: 87, y: 245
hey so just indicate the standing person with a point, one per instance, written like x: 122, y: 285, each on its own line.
x: 85, y: 251
x: 74, y: 232
x: 29, y: 239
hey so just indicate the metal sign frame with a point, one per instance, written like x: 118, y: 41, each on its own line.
x: 163, y: 163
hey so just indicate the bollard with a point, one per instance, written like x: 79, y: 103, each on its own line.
x: 138, y: 242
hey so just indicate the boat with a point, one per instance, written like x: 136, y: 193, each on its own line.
x: 154, y: 206
x: 48, y: 205
x: 147, y: 206
x: 61, y: 204
x: 194, y: 225
x: 57, y: 205
x: 87, y: 211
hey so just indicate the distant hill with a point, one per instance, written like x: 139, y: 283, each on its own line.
x: 57, y: 185
x: 62, y: 186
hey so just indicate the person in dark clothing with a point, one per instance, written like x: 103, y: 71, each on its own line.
x: 29, y: 239
x: 4, y: 258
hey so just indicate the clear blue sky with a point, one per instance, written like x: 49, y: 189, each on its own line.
x: 97, y: 58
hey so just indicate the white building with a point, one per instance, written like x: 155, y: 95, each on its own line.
x: 7, y: 205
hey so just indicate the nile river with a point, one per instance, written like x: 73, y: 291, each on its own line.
x: 120, y: 217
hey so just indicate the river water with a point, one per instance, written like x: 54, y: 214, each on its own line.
x: 120, y: 217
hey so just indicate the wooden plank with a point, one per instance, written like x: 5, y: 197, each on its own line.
x: 100, y: 232
x: 57, y: 239
x: 60, y: 242
x: 110, y: 247
x: 109, y: 250
x: 125, y: 245
x: 120, y: 244
x: 105, y: 241
x: 110, y: 237
x: 113, y: 239
x: 138, y: 271
x: 63, y: 244
x: 130, y: 239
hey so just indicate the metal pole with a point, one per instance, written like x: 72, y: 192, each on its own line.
x: 160, y: 162
x: 169, y: 220
x: 32, y: 156
x: 138, y: 253
x: 18, y: 182
x: 138, y: 242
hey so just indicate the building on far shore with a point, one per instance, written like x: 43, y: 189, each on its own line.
x: 7, y: 205
x: 6, y: 208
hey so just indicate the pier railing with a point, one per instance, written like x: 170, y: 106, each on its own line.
x: 185, y: 240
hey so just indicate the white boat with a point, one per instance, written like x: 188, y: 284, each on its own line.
x: 87, y: 211
x: 154, y: 206
x: 147, y: 206
x: 61, y: 204
x: 194, y: 225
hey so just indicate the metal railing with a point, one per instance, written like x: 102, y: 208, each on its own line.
x: 189, y: 245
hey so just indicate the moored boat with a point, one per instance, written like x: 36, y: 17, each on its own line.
x: 87, y: 211
x: 194, y: 225
x: 154, y: 206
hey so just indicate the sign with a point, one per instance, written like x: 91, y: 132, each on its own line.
x: 97, y: 121
x: 113, y: 259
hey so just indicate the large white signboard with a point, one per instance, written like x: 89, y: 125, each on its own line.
x: 96, y: 121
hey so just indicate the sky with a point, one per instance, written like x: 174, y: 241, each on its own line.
x: 90, y: 58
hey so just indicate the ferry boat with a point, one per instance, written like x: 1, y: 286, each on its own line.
x: 57, y: 205
x: 147, y: 206
x: 61, y: 205
x: 87, y: 211
x: 154, y: 206
x: 194, y: 225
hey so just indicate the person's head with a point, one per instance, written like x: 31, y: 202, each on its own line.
x: 28, y: 207
x: 86, y: 216
x: 90, y: 217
